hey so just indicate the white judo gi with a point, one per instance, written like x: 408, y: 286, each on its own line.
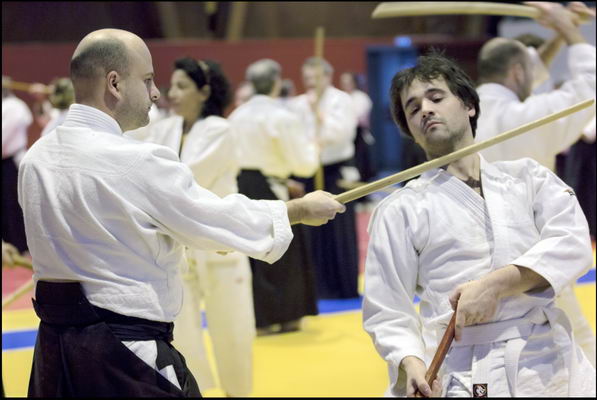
x: 273, y: 140
x: 437, y: 233
x: 221, y: 282
x: 501, y: 110
x: 338, y: 130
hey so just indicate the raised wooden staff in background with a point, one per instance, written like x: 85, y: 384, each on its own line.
x: 319, y: 179
x: 458, y: 154
x: 14, y: 296
x: 23, y: 262
x: 422, y: 8
x: 22, y: 86
x: 419, y: 8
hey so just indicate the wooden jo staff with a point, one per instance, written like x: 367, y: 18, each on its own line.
x: 22, y: 86
x: 420, y: 8
x: 17, y: 294
x: 23, y: 262
x: 369, y: 188
x: 318, y: 179
x: 440, y: 354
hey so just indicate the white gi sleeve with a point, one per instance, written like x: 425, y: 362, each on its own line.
x: 339, y: 120
x: 563, y: 252
x: 389, y: 315
x: 298, y: 150
x: 166, y: 189
x: 211, y: 153
x: 560, y: 134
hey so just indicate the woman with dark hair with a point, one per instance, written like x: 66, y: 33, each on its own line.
x: 62, y: 95
x: 199, y: 95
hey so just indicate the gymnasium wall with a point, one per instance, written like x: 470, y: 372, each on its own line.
x: 41, y: 62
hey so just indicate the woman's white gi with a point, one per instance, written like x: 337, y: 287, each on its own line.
x: 437, y: 233
x: 222, y: 282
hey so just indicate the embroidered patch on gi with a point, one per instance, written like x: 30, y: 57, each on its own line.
x: 479, y: 389
x: 570, y: 192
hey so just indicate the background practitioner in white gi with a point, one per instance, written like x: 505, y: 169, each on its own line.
x: 500, y: 240
x: 506, y: 76
x: 330, y: 118
x: 272, y: 145
x: 199, y: 93
x: 16, y: 118
x: 111, y: 216
x: 62, y: 95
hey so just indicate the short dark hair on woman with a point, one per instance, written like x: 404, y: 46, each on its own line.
x: 207, y: 72
x: 429, y: 67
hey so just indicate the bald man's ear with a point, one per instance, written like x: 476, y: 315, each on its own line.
x: 114, y: 83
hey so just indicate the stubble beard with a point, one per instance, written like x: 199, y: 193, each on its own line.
x: 441, y: 145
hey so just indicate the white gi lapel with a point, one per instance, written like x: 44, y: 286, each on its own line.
x: 496, y: 210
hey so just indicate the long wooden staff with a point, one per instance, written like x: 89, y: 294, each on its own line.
x: 440, y: 354
x: 25, y: 288
x: 22, y: 86
x: 369, y: 188
x: 23, y: 262
x: 318, y: 179
x: 419, y: 8
x: 422, y: 8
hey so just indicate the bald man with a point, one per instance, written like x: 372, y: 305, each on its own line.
x: 107, y: 219
x: 506, y: 101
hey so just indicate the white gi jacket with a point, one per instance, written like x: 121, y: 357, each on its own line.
x: 362, y: 105
x: 208, y: 149
x: 437, y: 233
x: 16, y: 118
x: 122, y: 211
x: 221, y: 282
x: 56, y: 118
x: 272, y: 139
x: 501, y: 110
x: 338, y: 129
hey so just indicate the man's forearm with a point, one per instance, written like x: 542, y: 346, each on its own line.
x: 513, y: 279
x: 295, y: 211
x: 550, y: 49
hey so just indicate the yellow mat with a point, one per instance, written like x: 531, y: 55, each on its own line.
x: 331, y: 357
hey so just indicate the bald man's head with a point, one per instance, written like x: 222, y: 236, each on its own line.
x: 112, y: 71
x: 497, y: 56
x: 97, y: 54
x: 506, y: 62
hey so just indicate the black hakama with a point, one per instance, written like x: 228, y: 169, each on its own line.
x: 335, y: 251
x: 283, y: 291
x: 13, y: 225
x: 79, y: 353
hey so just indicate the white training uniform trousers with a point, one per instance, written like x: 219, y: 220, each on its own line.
x: 222, y: 283
x: 219, y: 283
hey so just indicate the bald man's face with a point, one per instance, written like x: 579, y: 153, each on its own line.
x: 138, y: 89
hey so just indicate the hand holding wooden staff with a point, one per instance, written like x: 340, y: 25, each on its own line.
x: 436, y: 363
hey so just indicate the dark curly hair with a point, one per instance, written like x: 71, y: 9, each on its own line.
x: 207, y: 72
x: 430, y: 67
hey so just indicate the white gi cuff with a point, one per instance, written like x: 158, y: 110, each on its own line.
x: 282, y: 232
